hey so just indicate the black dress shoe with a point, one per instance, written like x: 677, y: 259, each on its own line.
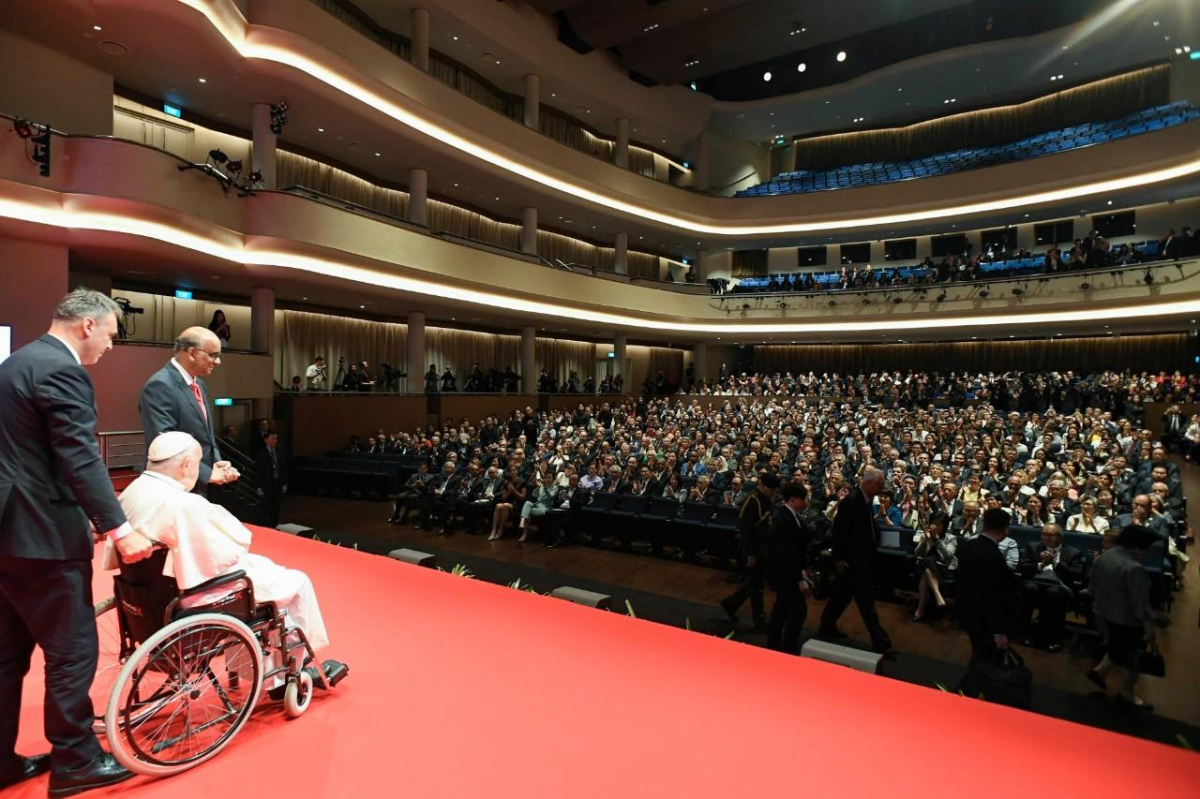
x: 27, y: 768
x: 733, y: 617
x: 1096, y: 679
x: 832, y: 635
x: 103, y: 770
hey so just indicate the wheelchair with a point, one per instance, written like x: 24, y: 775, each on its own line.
x: 180, y: 672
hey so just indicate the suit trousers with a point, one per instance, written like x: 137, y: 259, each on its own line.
x: 855, y: 585
x: 1052, y: 603
x: 48, y: 603
x: 752, y: 589
x: 272, y: 500
x: 787, y: 619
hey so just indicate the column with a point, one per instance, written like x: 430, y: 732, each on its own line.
x: 416, y: 352
x: 621, y: 367
x: 34, y: 277
x: 529, y: 374
x: 533, y: 102
x: 700, y: 168
x: 621, y: 150
x: 621, y: 256
x: 529, y: 231
x: 700, y: 361
x: 703, y: 265
x: 418, y: 191
x: 420, y: 39
x: 263, y: 157
x: 262, y: 319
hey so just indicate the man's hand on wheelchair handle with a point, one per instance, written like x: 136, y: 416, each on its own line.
x: 134, y: 547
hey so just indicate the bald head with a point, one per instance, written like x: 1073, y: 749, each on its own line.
x: 198, y: 351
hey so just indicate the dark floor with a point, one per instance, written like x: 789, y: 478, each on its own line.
x: 686, y: 595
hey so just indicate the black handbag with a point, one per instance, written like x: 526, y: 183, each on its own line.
x: 1150, y: 662
x: 1008, y: 682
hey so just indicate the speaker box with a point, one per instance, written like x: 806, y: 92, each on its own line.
x: 858, y: 659
x: 580, y: 597
x: 414, y: 557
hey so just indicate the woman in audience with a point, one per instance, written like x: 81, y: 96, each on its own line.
x: 511, y: 496
x: 1088, y: 519
x: 1035, y: 512
x: 219, y: 326
x: 674, y: 489
x: 1106, y: 504
x: 540, y: 502
x: 973, y: 491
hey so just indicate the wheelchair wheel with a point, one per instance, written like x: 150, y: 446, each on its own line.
x: 298, y: 695
x: 184, y: 694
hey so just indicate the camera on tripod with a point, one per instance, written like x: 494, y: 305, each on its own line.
x: 127, y: 306
x: 391, y: 377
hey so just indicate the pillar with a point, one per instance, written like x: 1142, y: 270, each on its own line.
x: 418, y: 191
x: 703, y: 265
x: 263, y: 156
x: 533, y: 102
x: 620, y: 367
x: 700, y: 361
x: 529, y: 219
x: 416, y: 352
x: 700, y: 168
x: 33, y: 279
x: 420, y: 39
x: 262, y: 319
x: 621, y: 255
x: 529, y: 374
x: 621, y: 150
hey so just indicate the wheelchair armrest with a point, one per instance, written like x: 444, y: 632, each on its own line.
x: 193, y: 597
x: 217, y: 581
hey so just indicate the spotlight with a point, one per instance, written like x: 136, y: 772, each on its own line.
x: 233, y: 166
x: 40, y: 136
x: 22, y: 128
x: 895, y: 301
x: 1148, y: 279
x: 217, y: 157
x: 941, y: 297
x: 832, y: 303
x: 984, y: 293
x: 1085, y: 286
x: 1017, y: 292
x: 278, y: 117
x: 745, y: 306
x: 866, y: 300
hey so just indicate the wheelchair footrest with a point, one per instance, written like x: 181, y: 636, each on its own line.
x: 335, y: 670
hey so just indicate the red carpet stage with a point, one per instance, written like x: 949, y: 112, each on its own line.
x: 466, y: 689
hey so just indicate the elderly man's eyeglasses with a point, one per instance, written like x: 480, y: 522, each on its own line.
x: 213, y: 356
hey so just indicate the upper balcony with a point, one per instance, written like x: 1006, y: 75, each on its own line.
x: 123, y: 207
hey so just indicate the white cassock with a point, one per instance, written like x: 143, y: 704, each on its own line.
x: 206, y: 540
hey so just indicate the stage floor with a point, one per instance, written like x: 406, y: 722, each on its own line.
x: 466, y: 689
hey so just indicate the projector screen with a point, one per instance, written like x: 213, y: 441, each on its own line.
x: 5, y: 342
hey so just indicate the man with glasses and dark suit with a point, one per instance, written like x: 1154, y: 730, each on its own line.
x: 175, y: 398
x: 52, y: 483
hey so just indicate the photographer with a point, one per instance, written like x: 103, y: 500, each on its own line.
x: 315, y: 374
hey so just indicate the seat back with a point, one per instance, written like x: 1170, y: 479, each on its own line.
x: 726, y: 517
x: 663, y: 507
x: 633, y: 503
x: 603, y: 500
x: 1024, y: 534
x: 143, y: 595
x: 696, y: 512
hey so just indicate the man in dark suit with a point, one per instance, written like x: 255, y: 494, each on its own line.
x: 1051, y: 572
x: 854, y: 541
x: 52, y: 482
x: 754, y: 535
x: 175, y: 398
x: 271, y: 470
x: 986, y: 591
x: 788, y: 557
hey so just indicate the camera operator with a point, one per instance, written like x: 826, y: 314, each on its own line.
x: 365, y: 381
x: 315, y: 375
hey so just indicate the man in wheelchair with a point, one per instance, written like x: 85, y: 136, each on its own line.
x: 205, y: 541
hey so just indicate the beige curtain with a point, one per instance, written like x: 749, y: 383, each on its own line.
x: 462, y: 349
x: 1152, y: 352
x: 297, y: 170
x: 749, y: 263
x: 641, y: 264
x: 560, y: 357
x: 300, y: 336
x: 1097, y: 101
x: 472, y: 225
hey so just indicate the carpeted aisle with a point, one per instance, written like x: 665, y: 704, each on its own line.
x: 466, y: 689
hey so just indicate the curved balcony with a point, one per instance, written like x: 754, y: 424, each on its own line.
x: 119, y: 202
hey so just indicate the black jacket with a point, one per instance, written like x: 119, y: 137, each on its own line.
x: 271, y: 477
x: 789, y: 548
x: 1069, y: 569
x: 987, y: 595
x: 52, y: 480
x: 167, y: 404
x: 854, y: 534
x: 754, y: 525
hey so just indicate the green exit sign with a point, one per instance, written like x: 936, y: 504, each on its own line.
x: 223, y: 402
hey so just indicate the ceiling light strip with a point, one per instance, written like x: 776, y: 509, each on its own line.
x: 230, y: 246
x: 349, y: 86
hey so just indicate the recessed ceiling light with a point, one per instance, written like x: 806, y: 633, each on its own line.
x: 801, y: 67
x: 767, y: 77
x: 320, y: 130
x: 455, y: 38
x: 497, y: 199
x: 362, y: 306
x: 376, y: 155
x: 304, y: 298
x: 203, y: 80
x: 97, y: 28
x: 456, y: 185
x: 841, y: 56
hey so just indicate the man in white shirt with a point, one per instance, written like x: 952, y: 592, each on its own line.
x: 314, y: 375
x: 206, y: 540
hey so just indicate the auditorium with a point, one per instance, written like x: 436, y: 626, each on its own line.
x: 603, y: 398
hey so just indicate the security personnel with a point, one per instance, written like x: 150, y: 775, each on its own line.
x: 790, y: 535
x: 754, y: 532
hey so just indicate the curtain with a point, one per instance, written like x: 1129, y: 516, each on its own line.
x: 297, y: 170
x: 560, y: 357
x: 749, y: 263
x: 462, y: 349
x: 1099, y: 100
x: 1142, y: 352
x: 472, y: 225
x: 300, y: 336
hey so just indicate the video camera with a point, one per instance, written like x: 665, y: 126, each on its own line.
x: 391, y: 377
x: 127, y: 306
